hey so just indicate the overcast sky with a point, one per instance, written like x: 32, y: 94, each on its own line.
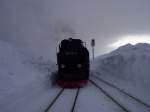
x: 38, y: 25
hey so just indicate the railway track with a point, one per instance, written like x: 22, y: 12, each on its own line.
x: 109, y: 96
x: 75, y: 100
x: 122, y: 91
x: 58, y: 96
x: 100, y: 84
x: 54, y: 100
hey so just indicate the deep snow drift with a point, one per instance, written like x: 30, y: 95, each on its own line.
x: 15, y: 70
x: 128, y: 68
x: 23, y: 86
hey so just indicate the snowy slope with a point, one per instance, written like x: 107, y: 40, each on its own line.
x: 23, y: 88
x: 14, y: 72
x: 128, y: 68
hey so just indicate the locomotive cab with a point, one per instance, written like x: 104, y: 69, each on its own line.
x: 73, y: 63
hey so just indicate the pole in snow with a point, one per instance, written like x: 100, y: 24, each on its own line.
x: 93, y: 45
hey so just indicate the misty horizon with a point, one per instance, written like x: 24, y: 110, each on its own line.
x: 37, y: 26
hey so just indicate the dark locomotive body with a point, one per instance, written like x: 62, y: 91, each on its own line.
x: 73, y: 63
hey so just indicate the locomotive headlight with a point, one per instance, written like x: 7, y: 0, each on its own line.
x: 63, y: 66
x: 79, y: 65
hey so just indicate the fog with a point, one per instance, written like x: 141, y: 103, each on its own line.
x: 37, y: 26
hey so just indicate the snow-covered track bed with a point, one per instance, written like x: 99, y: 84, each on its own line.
x: 75, y: 100
x: 122, y: 91
x: 126, y: 100
x: 64, y: 101
x: 54, y: 100
x: 109, y: 96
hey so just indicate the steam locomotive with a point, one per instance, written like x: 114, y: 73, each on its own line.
x: 73, y: 63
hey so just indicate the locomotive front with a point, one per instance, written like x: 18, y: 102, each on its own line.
x: 73, y: 63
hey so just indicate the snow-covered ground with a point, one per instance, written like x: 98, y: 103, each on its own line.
x: 25, y: 84
x: 127, y: 68
x: 23, y: 88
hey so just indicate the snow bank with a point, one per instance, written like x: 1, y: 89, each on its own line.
x: 127, y: 67
x: 13, y: 72
x: 24, y: 83
x: 17, y: 72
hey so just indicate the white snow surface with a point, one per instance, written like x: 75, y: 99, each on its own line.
x: 23, y: 88
x: 25, y: 84
x: 128, y: 68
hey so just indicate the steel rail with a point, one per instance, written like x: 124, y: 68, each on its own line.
x: 54, y: 100
x: 109, y: 96
x: 122, y: 91
x: 75, y: 100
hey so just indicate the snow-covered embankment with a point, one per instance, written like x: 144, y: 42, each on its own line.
x: 23, y: 88
x: 128, y: 67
